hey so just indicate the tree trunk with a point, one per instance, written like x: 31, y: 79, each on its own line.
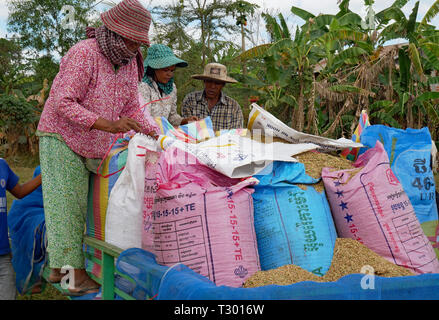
x: 410, y: 123
x: 312, y: 126
x: 300, y: 110
x: 244, y: 66
x: 346, y: 107
x: 389, y: 94
x: 203, y: 43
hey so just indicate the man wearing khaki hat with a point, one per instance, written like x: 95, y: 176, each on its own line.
x: 224, y: 111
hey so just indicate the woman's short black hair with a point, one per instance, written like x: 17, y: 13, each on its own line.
x: 150, y: 72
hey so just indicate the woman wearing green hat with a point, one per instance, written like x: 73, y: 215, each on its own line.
x: 158, y: 83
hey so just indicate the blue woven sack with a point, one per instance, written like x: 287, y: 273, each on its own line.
x: 293, y: 225
x: 409, y: 153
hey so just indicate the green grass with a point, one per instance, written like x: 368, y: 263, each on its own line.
x: 49, y: 293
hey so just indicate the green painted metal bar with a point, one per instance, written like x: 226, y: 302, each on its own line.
x: 103, y: 246
x: 109, y: 253
x: 125, y: 277
x: 107, y: 276
x: 123, y: 295
x: 92, y: 258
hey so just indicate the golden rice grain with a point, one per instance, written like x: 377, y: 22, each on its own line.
x: 350, y: 256
x: 315, y: 161
x: 284, y: 275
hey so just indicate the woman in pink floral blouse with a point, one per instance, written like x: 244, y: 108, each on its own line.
x: 93, y: 97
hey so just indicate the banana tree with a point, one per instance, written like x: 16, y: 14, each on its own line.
x: 342, y: 43
x: 289, y: 76
x: 336, y: 65
x: 275, y: 79
x: 416, y: 60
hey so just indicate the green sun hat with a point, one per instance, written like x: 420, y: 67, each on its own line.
x: 160, y: 56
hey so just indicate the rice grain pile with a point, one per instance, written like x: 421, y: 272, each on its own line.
x: 284, y: 275
x: 315, y: 161
x: 349, y: 257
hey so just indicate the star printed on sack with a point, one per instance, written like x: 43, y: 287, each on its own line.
x: 348, y: 217
x: 337, y: 183
x: 343, y: 205
x: 339, y: 193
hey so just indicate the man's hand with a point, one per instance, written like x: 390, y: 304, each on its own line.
x: 189, y: 119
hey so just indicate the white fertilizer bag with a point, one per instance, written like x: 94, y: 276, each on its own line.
x: 236, y: 156
x: 123, y: 225
x: 260, y: 119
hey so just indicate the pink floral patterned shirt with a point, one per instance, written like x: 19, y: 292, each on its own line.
x: 88, y: 87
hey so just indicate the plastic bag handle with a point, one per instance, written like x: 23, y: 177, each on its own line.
x: 251, y: 181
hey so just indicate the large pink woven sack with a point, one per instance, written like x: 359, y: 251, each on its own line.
x: 202, y: 219
x: 373, y: 208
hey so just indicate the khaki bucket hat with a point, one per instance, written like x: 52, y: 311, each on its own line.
x: 215, y: 71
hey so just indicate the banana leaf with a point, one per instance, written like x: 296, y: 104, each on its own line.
x: 431, y: 13
x: 255, y: 52
x: 416, y: 61
x: 348, y: 54
x: 426, y: 96
x: 305, y: 15
x: 404, y: 69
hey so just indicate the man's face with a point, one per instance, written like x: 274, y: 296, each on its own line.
x: 213, y: 88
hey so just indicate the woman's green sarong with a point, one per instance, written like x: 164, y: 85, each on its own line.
x: 65, y: 180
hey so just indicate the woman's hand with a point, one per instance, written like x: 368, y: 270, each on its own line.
x: 124, y: 124
x: 189, y: 119
x: 153, y: 134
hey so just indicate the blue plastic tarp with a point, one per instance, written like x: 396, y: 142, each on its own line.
x: 181, y: 283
